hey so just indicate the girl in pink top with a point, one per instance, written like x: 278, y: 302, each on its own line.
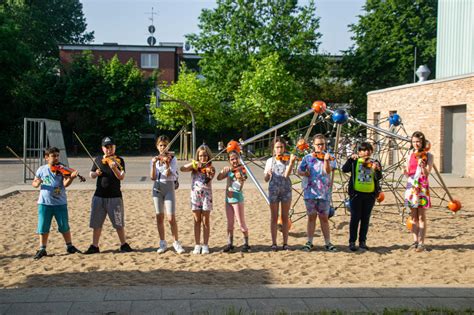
x: 417, y: 194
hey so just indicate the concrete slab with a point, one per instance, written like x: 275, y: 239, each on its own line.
x: 379, y: 304
x: 4, y: 308
x: 293, y: 292
x: 451, y: 303
x: 350, y: 292
x: 112, y: 307
x: 452, y: 292
x: 244, y: 292
x: 27, y: 295
x: 221, y: 306
x: 77, y: 294
x: 188, y: 293
x: 161, y: 307
x: 134, y: 293
x: 403, y: 292
x: 331, y: 304
x: 40, y: 308
x: 277, y: 305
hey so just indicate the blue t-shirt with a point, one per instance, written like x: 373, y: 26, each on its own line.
x: 53, y: 192
x: 318, y: 184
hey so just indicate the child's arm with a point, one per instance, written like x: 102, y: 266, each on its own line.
x: 223, y: 173
x: 153, y: 168
x: 303, y: 170
x: 118, y: 173
x: 347, y: 167
x: 268, y: 170
x: 189, y: 167
x: 68, y: 180
x: 327, y: 163
x: 36, y: 182
x: 290, y: 166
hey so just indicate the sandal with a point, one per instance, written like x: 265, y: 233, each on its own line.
x: 285, y: 247
x: 330, y: 248
x: 414, y: 245
x: 274, y: 247
x: 307, y: 247
x: 420, y: 248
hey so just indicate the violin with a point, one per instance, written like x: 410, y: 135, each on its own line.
x: 369, y: 163
x: 423, y: 155
x: 205, y: 168
x: 166, y: 156
x: 64, y: 171
x: 112, y: 159
x: 240, y: 169
x: 285, y: 157
x: 320, y: 156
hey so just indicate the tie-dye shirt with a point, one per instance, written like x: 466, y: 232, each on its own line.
x: 318, y: 184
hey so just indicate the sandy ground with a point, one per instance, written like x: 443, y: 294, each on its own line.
x: 448, y: 261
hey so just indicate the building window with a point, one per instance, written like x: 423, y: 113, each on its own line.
x: 149, y: 61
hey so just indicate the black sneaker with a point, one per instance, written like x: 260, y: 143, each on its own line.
x: 72, y: 250
x: 92, y: 250
x: 363, y: 245
x: 245, y: 248
x: 352, y: 246
x: 125, y: 248
x: 40, y: 254
x: 228, y: 248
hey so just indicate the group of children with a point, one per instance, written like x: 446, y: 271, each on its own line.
x: 315, y: 169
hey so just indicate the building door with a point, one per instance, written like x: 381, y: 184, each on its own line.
x: 454, y: 147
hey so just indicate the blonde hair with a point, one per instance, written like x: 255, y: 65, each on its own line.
x: 205, y: 148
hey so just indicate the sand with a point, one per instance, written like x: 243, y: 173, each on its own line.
x: 449, y: 259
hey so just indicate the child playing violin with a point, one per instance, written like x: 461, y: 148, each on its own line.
x: 202, y: 173
x: 316, y: 169
x: 234, y: 201
x: 277, y: 171
x: 109, y: 170
x: 364, y: 188
x: 417, y: 194
x: 52, y: 201
x: 164, y: 173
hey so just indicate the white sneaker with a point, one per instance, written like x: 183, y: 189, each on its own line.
x: 178, y: 248
x: 163, y: 247
x: 205, y: 249
x: 197, y: 249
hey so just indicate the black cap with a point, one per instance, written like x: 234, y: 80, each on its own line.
x: 107, y: 141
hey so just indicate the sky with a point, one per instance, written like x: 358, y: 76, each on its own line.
x: 126, y: 21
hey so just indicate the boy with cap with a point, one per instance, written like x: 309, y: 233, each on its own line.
x: 109, y: 170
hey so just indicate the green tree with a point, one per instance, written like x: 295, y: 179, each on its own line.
x: 267, y: 95
x: 385, y: 39
x: 195, y: 92
x: 107, y: 98
x: 237, y: 30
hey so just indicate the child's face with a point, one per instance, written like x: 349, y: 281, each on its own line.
x: 108, y: 149
x: 161, y: 146
x: 364, y: 153
x: 416, y: 143
x: 52, y: 158
x: 319, y: 145
x: 279, y: 148
x: 202, y: 156
x: 234, y: 160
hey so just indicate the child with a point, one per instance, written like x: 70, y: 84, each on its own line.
x: 417, y: 194
x: 109, y: 170
x: 164, y: 173
x: 364, y: 188
x: 316, y: 168
x: 234, y: 201
x: 202, y: 173
x: 277, y: 171
x: 52, y: 201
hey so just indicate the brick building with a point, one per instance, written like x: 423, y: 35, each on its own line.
x: 443, y: 108
x: 165, y: 57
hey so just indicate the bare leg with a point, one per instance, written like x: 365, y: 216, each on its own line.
x: 206, y: 222
x: 67, y: 237
x: 421, y: 225
x: 44, y: 239
x: 415, y: 223
x: 96, y: 236
x: 197, y: 226
x: 285, y: 209
x: 311, y: 226
x: 160, y: 225
x: 273, y: 221
x: 121, y: 235
x: 174, y: 226
x: 324, y: 221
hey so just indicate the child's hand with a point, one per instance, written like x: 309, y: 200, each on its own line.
x: 375, y: 166
x: 210, y: 172
x: 155, y: 159
x: 327, y: 156
x: 74, y: 174
x: 292, y: 158
x: 98, y: 172
x: 354, y: 156
x: 226, y: 169
x: 37, y: 181
x: 421, y: 163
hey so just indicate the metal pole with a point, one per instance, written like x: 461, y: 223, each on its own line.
x: 252, y: 177
x: 266, y: 132
x: 442, y: 183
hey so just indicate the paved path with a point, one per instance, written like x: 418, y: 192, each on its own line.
x: 265, y: 299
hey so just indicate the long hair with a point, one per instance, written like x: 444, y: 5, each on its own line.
x: 162, y: 138
x: 421, y: 136
x: 205, y: 148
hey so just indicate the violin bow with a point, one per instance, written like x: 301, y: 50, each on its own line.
x: 87, y: 151
x: 21, y: 160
